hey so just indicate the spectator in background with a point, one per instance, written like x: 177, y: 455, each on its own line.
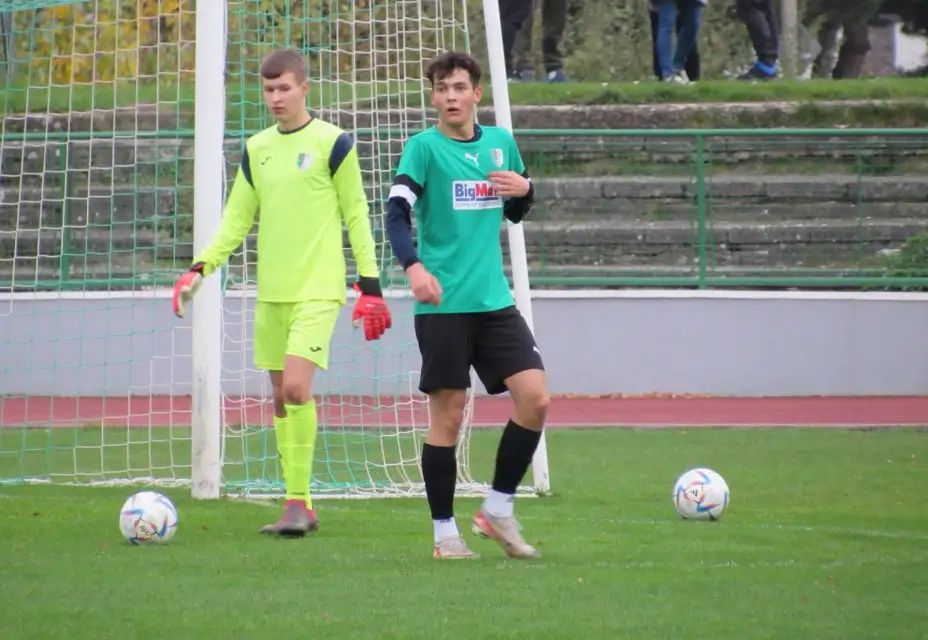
x: 759, y: 16
x: 854, y: 20
x: 692, y: 65
x: 512, y: 15
x: 553, y: 23
x: 672, y: 61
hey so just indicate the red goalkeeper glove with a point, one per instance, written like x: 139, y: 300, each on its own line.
x: 371, y: 310
x: 185, y: 287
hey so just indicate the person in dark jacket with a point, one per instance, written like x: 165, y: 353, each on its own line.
x: 512, y: 16
x: 553, y: 24
x: 854, y: 20
x: 759, y: 16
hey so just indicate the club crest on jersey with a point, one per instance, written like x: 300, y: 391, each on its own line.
x: 497, y: 155
x: 303, y: 161
x: 474, y: 195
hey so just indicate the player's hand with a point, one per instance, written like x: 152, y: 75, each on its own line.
x: 425, y: 287
x: 371, y: 310
x: 509, y: 184
x: 185, y: 287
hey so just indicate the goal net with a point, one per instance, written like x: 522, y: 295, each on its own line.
x: 97, y: 218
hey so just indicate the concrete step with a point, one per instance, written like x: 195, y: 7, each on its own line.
x: 126, y: 119
x: 658, y: 209
x: 129, y: 156
x: 616, y: 243
x: 780, y: 244
x: 31, y: 206
x: 39, y: 207
x: 116, y: 277
x: 90, y: 244
x: 840, y: 188
x: 385, y: 113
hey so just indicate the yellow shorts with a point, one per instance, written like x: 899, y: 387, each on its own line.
x: 302, y: 329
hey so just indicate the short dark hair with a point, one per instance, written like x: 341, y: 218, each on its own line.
x: 280, y: 62
x: 446, y: 64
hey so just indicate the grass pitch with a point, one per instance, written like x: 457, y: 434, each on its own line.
x: 826, y: 537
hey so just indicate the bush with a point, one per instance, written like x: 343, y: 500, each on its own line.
x: 911, y: 261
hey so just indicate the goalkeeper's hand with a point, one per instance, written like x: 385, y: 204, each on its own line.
x: 371, y: 310
x: 185, y: 287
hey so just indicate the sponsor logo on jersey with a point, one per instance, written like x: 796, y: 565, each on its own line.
x: 472, y: 195
x: 497, y: 155
x: 304, y: 160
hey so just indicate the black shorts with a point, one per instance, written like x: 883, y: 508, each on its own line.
x: 497, y: 344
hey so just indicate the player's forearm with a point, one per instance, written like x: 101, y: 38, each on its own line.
x: 399, y: 232
x: 362, y: 244
x: 237, y: 219
x: 516, y: 209
x: 346, y: 178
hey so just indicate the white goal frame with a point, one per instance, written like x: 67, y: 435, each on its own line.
x: 209, y: 196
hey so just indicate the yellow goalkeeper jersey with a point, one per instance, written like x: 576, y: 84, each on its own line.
x: 303, y: 184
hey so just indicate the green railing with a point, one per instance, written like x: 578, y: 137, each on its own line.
x: 776, y: 208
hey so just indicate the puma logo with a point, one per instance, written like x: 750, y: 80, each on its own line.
x: 315, y: 349
x: 473, y: 157
x: 264, y: 160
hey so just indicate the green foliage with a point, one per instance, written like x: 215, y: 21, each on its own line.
x: 111, y: 40
x: 911, y: 261
x: 105, y: 40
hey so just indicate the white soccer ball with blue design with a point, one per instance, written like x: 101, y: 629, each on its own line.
x: 700, y: 494
x: 148, y: 517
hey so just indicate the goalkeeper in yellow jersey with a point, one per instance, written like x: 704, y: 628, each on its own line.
x: 304, y: 176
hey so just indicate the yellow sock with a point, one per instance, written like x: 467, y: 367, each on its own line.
x: 300, y: 450
x: 282, y: 433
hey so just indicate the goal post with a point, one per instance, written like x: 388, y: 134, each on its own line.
x: 517, y: 254
x: 209, y: 194
x: 122, y: 128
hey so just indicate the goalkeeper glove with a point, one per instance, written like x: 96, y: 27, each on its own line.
x: 371, y: 310
x: 185, y: 287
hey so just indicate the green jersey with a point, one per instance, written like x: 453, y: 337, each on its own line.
x: 306, y: 184
x: 458, y: 214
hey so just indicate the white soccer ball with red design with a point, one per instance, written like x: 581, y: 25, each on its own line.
x: 700, y: 494
x: 148, y: 517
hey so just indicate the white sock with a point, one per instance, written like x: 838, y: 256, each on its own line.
x: 499, y: 504
x: 445, y: 529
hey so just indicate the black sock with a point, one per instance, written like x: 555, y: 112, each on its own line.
x: 516, y: 448
x: 440, y: 472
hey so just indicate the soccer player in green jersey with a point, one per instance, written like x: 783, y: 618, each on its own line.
x: 461, y: 180
x: 304, y: 176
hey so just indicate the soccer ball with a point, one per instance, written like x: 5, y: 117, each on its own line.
x: 700, y: 494
x: 148, y: 517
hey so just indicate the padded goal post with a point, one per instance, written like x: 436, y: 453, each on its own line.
x: 122, y: 126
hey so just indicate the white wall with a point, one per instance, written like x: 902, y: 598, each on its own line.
x: 735, y: 343
x: 911, y: 52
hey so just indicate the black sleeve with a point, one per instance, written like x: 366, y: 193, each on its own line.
x: 340, y: 150
x: 246, y: 167
x: 516, y: 209
x: 403, y: 196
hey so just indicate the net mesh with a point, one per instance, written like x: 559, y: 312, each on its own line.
x: 96, y: 204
